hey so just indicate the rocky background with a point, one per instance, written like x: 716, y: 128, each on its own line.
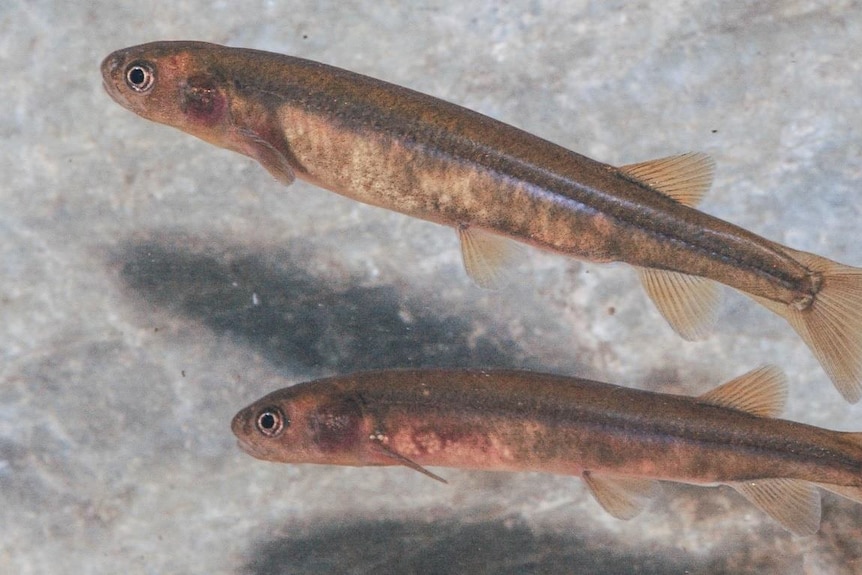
x: 152, y: 285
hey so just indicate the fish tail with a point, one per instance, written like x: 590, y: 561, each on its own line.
x: 831, y: 325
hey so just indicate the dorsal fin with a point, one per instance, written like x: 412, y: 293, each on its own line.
x: 488, y: 258
x: 761, y: 391
x: 621, y: 496
x: 685, y: 177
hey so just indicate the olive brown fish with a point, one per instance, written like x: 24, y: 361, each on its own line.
x: 619, y: 440
x: 395, y: 148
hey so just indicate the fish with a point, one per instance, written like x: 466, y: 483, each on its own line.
x: 500, y: 187
x: 621, y: 441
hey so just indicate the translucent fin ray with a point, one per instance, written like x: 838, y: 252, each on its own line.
x: 622, y: 497
x: 761, y: 391
x: 489, y: 259
x: 255, y: 147
x: 685, y: 177
x: 406, y: 462
x: 832, y: 325
x: 795, y: 504
x: 688, y: 303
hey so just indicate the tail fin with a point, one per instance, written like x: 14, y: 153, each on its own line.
x: 832, y: 325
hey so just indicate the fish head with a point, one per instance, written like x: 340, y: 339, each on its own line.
x: 173, y: 83
x: 303, y: 424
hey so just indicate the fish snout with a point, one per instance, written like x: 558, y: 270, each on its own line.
x: 111, y: 64
x: 113, y: 77
x: 239, y: 427
x: 238, y: 424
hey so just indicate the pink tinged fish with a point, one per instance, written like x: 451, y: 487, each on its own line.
x: 620, y: 441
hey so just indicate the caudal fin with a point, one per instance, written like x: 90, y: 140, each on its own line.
x: 832, y: 325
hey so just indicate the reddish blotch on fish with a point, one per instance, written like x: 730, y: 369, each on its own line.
x: 620, y: 441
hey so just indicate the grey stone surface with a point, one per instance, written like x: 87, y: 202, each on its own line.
x: 151, y: 285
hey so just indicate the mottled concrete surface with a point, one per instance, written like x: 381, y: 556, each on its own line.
x: 151, y: 285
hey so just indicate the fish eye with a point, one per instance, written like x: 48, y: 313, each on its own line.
x: 140, y: 76
x: 271, y: 422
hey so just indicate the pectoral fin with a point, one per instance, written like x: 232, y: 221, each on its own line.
x: 405, y: 461
x: 488, y: 258
x: 622, y: 497
x: 792, y: 502
x: 254, y: 146
x: 688, y: 303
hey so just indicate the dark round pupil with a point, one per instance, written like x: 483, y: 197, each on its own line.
x: 271, y: 422
x: 268, y: 421
x: 137, y: 76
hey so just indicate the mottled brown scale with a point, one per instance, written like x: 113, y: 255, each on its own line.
x: 618, y: 440
x: 510, y: 420
x: 392, y: 147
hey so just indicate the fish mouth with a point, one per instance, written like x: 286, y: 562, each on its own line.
x: 250, y: 449
x: 113, y: 93
x: 238, y: 426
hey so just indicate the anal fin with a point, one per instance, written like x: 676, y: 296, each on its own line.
x: 488, y: 258
x: 794, y: 503
x: 621, y: 496
x: 688, y: 303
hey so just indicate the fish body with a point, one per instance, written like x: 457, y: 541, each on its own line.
x: 619, y: 440
x: 395, y: 148
x: 391, y: 147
